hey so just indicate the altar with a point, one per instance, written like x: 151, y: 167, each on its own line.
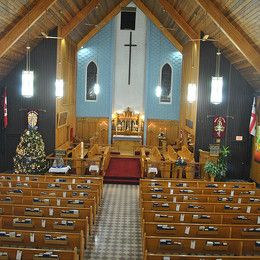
x: 127, y: 131
x: 126, y: 144
x: 131, y: 138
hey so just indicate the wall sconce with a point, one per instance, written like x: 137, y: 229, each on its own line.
x: 59, y: 88
x: 216, y: 83
x: 96, y: 89
x: 191, y: 96
x: 158, y: 91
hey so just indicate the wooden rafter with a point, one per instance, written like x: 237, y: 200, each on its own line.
x: 179, y: 19
x: 78, y: 18
x: 234, y: 35
x: 11, y: 37
x: 156, y: 21
x: 104, y: 21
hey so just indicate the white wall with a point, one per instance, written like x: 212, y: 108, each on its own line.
x: 130, y: 95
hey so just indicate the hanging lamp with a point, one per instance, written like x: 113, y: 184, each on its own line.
x: 216, y: 83
x: 27, y: 74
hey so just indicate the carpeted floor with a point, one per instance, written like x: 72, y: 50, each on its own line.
x: 123, y: 170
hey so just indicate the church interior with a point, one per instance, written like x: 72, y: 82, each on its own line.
x: 130, y: 129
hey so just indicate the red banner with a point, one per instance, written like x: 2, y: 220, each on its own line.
x: 219, y: 126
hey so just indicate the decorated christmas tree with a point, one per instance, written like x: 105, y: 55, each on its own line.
x: 30, y: 154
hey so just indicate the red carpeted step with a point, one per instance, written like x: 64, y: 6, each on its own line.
x: 120, y: 181
x: 123, y: 170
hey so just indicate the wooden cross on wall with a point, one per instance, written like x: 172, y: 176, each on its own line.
x: 130, y: 45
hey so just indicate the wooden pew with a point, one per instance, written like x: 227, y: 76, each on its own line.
x: 94, y: 152
x: 49, y: 192
x: 151, y: 256
x: 78, y: 164
x: 203, y: 217
x: 200, y: 198
x: 46, y: 211
x: 171, y: 154
x: 187, y: 221
x: 204, y: 246
x: 200, y: 230
x: 198, y: 207
x: 196, y: 183
x: 184, y: 190
x: 51, y: 178
x: 46, y: 223
x: 106, y: 159
x: 143, y: 161
x: 49, y: 185
x: 43, y: 239
x: 33, y: 254
x: 77, y: 202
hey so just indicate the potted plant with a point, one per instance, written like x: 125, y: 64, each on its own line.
x: 218, y: 169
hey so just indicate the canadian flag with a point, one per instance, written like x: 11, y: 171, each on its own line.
x: 5, y: 110
x: 252, y: 125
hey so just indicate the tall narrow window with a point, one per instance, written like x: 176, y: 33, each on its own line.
x: 166, y: 83
x: 91, y: 80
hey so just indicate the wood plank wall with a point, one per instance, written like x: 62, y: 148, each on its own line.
x: 66, y: 69
x: 87, y: 127
x: 190, y: 74
x: 154, y: 126
x: 43, y: 62
x: 255, y: 166
x: 237, y: 102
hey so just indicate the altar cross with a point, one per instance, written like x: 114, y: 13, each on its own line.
x: 130, y: 45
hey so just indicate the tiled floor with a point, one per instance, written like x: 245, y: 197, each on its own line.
x: 117, y: 232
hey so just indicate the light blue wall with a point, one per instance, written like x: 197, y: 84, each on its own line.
x: 101, y: 50
x: 161, y: 51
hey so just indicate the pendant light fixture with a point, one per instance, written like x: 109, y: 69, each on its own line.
x: 192, y: 89
x: 216, y: 83
x: 96, y: 86
x: 158, y: 89
x: 27, y: 74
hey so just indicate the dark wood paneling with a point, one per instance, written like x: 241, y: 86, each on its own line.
x: 43, y: 62
x: 237, y: 102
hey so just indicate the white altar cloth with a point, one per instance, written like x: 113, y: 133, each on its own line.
x: 136, y: 138
x: 58, y: 170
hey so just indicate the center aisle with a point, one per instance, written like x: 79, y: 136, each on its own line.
x: 117, y: 231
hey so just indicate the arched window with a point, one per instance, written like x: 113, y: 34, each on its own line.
x: 166, y: 84
x: 91, y: 80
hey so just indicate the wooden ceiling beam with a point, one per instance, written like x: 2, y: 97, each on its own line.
x: 156, y: 21
x: 234, y: 35
x: 78, y: 18
x: 104, y: 21
x: 186, y: 28
x: 22, y: 26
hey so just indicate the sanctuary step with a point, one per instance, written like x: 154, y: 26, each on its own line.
x: 123, y: 170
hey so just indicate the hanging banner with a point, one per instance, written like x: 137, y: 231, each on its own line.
x: 219, y: 126
x: 257, y: 145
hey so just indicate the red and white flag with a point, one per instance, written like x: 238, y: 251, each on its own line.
x: 5, y: 110
x: 252, y: 125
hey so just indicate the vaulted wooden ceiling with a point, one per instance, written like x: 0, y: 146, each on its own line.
x: 234, y: 24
